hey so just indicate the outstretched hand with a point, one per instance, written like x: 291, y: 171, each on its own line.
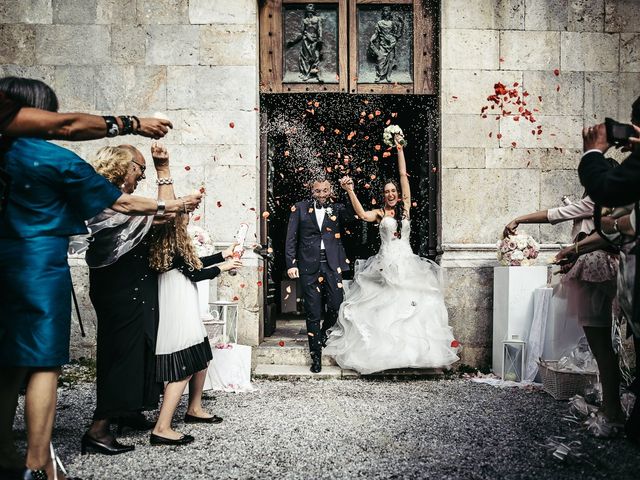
x: 398, y: 139
x: 154, y: 127
x: 346, y: 183
x: 510, y: 229
x: 230, y: 264
x: 190, y: 202
x: 565, y: 258
x: 228, y: 252
x: 160, y: 155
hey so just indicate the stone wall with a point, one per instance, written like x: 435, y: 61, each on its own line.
x: 487, y: 181
x: 195, y: 61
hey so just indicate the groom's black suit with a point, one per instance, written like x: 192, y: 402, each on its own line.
x: 320, y: 270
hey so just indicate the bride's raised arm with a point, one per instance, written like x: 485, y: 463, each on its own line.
x: 404, y: 178
x: 368, y: 216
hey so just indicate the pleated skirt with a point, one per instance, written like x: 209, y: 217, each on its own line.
x: 182, y: 346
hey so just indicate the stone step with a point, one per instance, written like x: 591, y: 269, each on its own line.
x: 267, y: 354
x: 296, y: 372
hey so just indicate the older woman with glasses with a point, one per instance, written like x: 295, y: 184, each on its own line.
x: 124, y: 293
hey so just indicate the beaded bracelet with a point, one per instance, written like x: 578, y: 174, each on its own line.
x: 127, y: 125
x: 164, y: 181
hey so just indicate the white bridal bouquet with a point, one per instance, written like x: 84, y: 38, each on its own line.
x: 388, y: 134
x: 201, y: 240
x: 516, y: 250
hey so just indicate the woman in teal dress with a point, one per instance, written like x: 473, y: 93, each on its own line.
x: 51, y: 192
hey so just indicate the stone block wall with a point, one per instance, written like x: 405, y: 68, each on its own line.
x: 486, y: 180
x: 194, y: 61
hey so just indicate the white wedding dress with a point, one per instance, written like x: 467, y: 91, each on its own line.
x: 393, y: 315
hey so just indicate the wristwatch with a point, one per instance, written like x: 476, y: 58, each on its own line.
x: 162, y: 206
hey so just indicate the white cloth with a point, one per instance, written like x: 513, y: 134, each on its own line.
x: 320, y: 213
x: 230, y: 369
x: 393, y: 315
x: 537, y: 334
x: 180, y: 326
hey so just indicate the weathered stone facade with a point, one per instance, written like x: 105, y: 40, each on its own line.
x: 193, y: 61
x: 486, y: 182
x: 196, y: 62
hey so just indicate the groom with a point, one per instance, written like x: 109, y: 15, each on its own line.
x: 314, y: 253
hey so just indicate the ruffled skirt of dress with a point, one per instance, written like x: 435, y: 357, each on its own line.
x: 182, y: 348
x: 393, y: 315
x: 591, y: 284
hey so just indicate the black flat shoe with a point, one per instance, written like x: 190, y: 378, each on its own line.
x: 107, y: 448
x: 193, y: 419
x: 158, y: 440
x: 136, y: 422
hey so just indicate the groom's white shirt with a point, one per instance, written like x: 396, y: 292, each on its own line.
x: 320, y: 213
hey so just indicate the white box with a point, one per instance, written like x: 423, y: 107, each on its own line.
x: 513, y: 289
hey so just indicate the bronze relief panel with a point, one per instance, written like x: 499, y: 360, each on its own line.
x: 310, y: 50
x: 385, y: 43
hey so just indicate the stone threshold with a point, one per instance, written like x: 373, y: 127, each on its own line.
x: 332, y: 372
x: 285, y: 356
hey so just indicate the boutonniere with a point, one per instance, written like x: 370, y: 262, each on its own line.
x: 329, y: 211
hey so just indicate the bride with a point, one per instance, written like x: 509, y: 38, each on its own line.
x: 393, y: 315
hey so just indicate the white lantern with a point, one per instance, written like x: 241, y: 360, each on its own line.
x: 223, y: 327
x: 513, y: 359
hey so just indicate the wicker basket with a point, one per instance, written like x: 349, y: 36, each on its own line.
x: 563, y: 385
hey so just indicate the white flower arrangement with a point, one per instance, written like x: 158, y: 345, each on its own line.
x: 201, y: 240
x: 390, y: 132
x: 516, y: 250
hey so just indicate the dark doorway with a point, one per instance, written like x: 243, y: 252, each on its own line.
x: 341, y: 134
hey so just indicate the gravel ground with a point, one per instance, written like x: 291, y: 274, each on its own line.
x: 448, y: 429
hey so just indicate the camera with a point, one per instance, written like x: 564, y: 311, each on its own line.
x: 618, y: 133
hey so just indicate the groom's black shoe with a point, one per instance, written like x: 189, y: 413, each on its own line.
x: 316, y: 362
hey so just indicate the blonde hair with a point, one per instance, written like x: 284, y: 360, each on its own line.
x: 170, y: 240
x: 113, y: 162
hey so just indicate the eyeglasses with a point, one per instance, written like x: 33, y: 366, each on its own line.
x: 142, y: 168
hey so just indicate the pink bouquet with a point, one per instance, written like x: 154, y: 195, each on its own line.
x: 516, y: 250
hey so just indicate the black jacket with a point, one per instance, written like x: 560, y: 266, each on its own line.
x: 302, y: 249
x: 607, y: 185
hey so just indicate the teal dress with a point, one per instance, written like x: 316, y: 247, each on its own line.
x: 52, y: 192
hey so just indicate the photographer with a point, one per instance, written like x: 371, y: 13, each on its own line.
x: 607, y: 185
x: 618, y: 186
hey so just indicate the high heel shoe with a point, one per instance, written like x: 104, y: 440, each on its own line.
x: 29, y: 474
x: 41, y: 474
x: 107, y: 448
